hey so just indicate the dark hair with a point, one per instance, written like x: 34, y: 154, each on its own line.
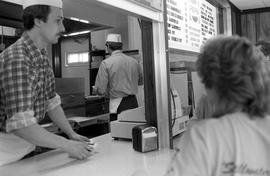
x: 114, y: 45
x: 235, y: 70
x: 37, y: 11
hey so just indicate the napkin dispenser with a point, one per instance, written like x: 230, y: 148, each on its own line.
x: 144, y: 138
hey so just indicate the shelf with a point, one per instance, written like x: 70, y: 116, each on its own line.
x: 182, y: 67
x: 96, y: 57
x: 97, y: 53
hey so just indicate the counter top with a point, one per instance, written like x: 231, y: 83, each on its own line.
x: 111, y: 157
x: 77, y: 122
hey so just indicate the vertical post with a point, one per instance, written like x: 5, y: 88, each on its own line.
x: 191, y: 101
x: 162, y: 85
x: 170, y: 125
x: 149, y: 70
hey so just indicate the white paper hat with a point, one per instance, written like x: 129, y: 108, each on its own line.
x: 55, y: 3
x: 114, y: 38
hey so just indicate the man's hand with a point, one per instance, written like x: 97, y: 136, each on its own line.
x: 90, y: 143
x: 82, y: 144
x: 94, y: 90
x: 77, y: 150
x: 77, y: 137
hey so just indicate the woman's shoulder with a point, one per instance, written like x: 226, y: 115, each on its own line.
x: 219, y: 125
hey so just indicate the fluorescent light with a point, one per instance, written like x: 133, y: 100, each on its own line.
x: 80, y: 20
x: 75, y: 19
x: 84, y: 21
x: 77, y: 33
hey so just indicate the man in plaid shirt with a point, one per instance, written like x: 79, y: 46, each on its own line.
x: 27, y: 88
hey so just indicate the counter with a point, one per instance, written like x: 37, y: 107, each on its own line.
x: 77, y: 122
x: 111, y: 157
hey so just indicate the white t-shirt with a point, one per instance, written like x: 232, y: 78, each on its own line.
x: 233, y: 145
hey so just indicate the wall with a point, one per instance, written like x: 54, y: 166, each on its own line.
x: 255, y: 24
x: 75, y: 71
x: 236, y: 19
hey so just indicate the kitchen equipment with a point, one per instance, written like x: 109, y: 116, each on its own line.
x: 126, y: 120
x: 144, y: 138
x: 180, y: 114
x: 96, y: 105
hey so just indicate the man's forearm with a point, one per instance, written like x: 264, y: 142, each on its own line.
x: 58, y: 116
x: 37, y: 135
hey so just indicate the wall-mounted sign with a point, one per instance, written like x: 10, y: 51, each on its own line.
x: 190, y: 23
x: 156, y: 4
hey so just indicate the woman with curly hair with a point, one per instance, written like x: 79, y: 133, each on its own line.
x: 236, y: 140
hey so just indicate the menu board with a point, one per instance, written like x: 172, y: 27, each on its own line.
x: 190, y: 23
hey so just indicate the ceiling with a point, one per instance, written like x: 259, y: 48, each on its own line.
x: 11, y: 19
x: 241, y: 4
x: 251, y: 4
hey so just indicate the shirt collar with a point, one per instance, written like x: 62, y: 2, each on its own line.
x: 116, y: 52
x: 31, y: 45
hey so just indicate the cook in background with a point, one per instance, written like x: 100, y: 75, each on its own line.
x: 118, y: 78
x: 236, y: 140
x: 27, y: 88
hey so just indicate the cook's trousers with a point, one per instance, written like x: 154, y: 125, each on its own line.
x: 128, y: 102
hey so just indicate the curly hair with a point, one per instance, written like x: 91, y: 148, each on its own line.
x: 236, y: 71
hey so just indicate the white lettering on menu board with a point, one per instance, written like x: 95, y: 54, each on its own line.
x: 190, y: 23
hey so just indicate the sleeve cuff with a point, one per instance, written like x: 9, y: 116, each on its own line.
x: 53, y: 102
x: 20, y: 120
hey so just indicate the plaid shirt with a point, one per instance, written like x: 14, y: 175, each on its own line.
x: 27, y: 85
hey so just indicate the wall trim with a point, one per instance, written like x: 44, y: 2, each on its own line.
x: 259, y: 10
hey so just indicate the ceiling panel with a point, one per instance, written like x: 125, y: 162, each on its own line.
x: 251, y: 4
x: 267, y: 3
